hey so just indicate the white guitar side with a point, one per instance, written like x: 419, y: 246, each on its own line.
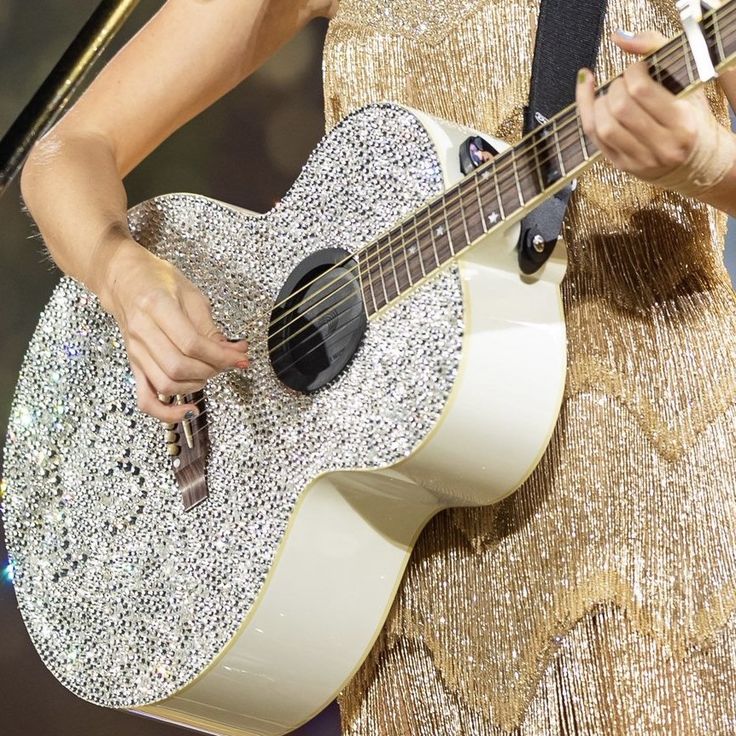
x: 351, y: 534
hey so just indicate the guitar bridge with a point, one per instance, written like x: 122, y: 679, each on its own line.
x: 187, y: 443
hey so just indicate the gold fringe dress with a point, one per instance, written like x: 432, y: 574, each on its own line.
x: 600, y: 597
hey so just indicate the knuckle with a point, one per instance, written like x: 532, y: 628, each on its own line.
x: 689, y: 133
x: 167, y: 387
x: 149, y: 300
x: 134, y: 326
x: 191, y: 344
x: 176, y: 370
x: 605, y: 131
x: 144, y: 403
x: 672, y: 156
x: 619, y: 106
x: 636, y: 86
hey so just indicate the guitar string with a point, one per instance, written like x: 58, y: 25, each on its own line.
x: 510, y: 157
x: 409, y: 239
x: 448, y: 213
x: 502, y: 185
x: 675, y: 47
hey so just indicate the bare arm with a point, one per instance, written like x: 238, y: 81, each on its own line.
x: 187, y: 56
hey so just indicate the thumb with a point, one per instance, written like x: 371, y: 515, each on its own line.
x: 639, y: 43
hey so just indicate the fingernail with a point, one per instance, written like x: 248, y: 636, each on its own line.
x: 191, y: 414
x: 625, y: 34
x: 243, y: 364
x: 582, y: 76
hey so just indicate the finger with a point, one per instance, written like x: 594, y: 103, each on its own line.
x: 659, y: 102
x: 172, y: 362
x: 160, y: 381
x: 632, y: 116
x: 173, y: 321
x: 615, y: 137
x: 149, y: 403
x: 239, y: 343
x: 199, y: 311
x: 168, y: 357
x: 640, y: 43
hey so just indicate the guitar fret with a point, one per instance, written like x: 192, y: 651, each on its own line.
x: 516, y: 179
x: 498, y: 193
x: 536, y: 142
x: 382, y: 294
x: 420, y: 254
x: 392, y: 264
x: 719, y: 41
x: 468, y: 239
x: 489, y: 208
x: 656, y: 71
x: 397, y: 249
x: 366, y: 284
x: 555, y: 133
x: 476, y: 185
x: 688, y: 63
x: 374, y: 276
x: 406, y: 248
x: 576, y: 151
x: 447, y: 225
x: 379, y: 263
x: 507, y: 188
x: 581, y: 137
x: 434, y: 242
x: 473, y: 209
x: 426, y: 246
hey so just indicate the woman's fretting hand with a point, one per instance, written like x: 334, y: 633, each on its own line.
x: 642, y: 128
x: 172, y: 342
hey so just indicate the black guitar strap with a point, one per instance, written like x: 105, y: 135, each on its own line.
x: 568, y: 37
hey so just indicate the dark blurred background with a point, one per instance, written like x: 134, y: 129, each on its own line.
x: 231, y: 152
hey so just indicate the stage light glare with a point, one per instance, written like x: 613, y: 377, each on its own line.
x: 8, y: 573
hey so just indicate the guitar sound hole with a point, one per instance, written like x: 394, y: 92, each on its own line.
x: 318, y: 321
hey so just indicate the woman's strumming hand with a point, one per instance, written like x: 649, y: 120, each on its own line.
x: 172, y: 342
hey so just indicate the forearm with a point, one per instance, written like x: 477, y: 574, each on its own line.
x: 74, y: 192
x: 722, y: 195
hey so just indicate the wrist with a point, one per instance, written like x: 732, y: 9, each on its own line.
x: 712, y: 158
x: 111, y: 258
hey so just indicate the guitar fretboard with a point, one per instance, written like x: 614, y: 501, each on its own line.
x: 502, y: 190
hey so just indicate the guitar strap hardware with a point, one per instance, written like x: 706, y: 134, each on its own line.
x: 568, y: 38
x: 691, y: 13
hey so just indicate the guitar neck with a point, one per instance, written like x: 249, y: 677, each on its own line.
x: 505, y: 189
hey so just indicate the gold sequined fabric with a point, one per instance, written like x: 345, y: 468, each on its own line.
x: 600, y: 598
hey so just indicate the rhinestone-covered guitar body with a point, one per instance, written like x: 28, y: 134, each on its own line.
x: 244, y: 615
